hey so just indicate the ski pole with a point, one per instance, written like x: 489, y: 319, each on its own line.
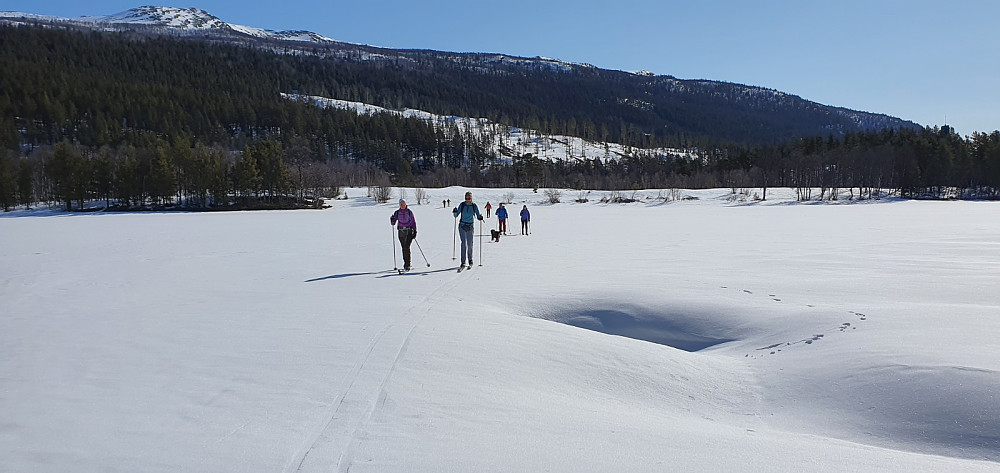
x: 480, y: 241
x: 422, y: 252
x: 394, y: 265
x: 454, y: 237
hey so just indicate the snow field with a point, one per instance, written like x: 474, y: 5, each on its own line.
x: 833, y: 337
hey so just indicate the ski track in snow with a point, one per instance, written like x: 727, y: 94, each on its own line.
x: 337, y: 436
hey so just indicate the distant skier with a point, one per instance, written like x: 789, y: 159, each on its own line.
x: 525, y: 218
x: 502, y: 218
x: 407, y: 229
x: 488, y: 207
x: 469, y: 212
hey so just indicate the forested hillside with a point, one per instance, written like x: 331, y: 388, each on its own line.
x: 137, y: 119
x: 203, y: 88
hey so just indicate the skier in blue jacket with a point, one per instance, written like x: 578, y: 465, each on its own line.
x: 469, y: 212
x: 502, y: 218
x: 525, y: 218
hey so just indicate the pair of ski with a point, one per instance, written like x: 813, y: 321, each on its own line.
x: 406, y: 270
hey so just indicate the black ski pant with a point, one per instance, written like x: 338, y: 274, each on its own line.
x: 406, y: 236
x: 524, y: 227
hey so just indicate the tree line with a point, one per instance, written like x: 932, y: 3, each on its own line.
x: 262, y: 175
x: 928, y: 163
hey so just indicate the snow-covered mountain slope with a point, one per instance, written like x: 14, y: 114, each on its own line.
x: 690, y: 335
x: 180, y: 19
x: 508, y: 142
x: 184, y: 18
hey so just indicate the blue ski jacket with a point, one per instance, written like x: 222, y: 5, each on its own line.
x: 502, y: 213
x: 525, y: 215
x: 469, y: 213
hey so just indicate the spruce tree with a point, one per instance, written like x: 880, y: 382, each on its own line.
x: 8, y: 182
x: 68, y: 173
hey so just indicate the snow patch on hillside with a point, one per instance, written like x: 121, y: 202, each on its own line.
x: 182, y: 19
x: 505, y: 141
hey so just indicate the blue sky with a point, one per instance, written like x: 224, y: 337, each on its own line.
x: 920, y: 60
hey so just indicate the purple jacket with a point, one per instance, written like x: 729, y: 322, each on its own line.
x: 405, y: 219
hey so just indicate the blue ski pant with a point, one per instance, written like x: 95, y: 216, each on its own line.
x: 466, y: 234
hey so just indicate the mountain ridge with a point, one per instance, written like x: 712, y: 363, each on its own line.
x: 655, y: 105
x: 190, y: 19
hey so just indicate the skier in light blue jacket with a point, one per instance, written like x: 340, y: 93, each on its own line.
x: 469, y: 212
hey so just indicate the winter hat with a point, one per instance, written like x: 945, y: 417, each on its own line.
x: 401, y: 201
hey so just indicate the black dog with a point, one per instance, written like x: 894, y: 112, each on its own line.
x: 496, y: 236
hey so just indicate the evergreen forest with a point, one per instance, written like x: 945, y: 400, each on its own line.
x: 152, y: 121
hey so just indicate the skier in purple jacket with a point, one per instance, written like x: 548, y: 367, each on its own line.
x: 406, y: 225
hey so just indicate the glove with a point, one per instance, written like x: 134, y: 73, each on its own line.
x: 454, y: 209
x: 414, y: 234
x: 480, y: 218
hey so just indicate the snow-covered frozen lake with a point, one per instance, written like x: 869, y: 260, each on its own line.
x: 694, y: 335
